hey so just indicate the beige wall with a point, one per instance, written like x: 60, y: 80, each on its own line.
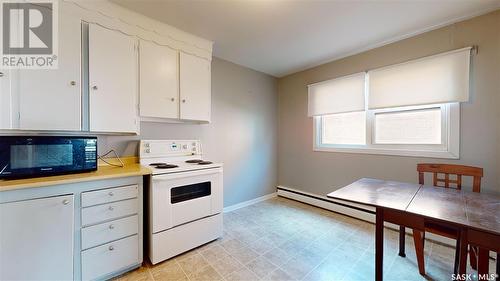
x: 242, y: 134
x: 322, y: 172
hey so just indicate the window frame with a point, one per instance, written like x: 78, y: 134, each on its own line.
x: 450, y: 128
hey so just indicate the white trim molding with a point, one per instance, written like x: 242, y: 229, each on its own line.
x: 249, y: 202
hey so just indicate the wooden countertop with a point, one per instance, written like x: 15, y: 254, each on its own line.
x: 103, y: 172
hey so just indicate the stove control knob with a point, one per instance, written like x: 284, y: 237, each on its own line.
x: 184, y: 146
x: 147, y: 150
x: 146, y: 144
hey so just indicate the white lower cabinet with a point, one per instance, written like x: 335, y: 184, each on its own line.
x: 110, y: 211
x: 79, y: 231
x: 100, y: 261
x: 36, y: 239
x: 110, y: 229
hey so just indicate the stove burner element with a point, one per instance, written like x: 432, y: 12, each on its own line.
x: 166, y: 166
x: 194, y: 161
x: 204, y: 163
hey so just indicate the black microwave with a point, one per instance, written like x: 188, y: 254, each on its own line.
x: 39, y: 156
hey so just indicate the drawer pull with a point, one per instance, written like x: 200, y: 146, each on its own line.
x: 111, y: 208
x: 65, y: 202
x: 111, y: 193
x: 111, y: 248
x: 111, y: 226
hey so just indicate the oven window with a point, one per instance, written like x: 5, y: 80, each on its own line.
x: 189, y: 192
x: 41, y: 155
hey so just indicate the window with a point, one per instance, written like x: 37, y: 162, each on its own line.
x: 421, y: 126
x: 344, y: 128
x: 423, y: 131
x: 408, y: 109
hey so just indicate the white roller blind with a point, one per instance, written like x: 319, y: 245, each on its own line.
x: 437, y: 79
x: 344, y: 94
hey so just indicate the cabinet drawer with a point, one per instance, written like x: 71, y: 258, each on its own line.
x: 100, y: 261
x: 101, y: 213
x: 97, y: 197
x: 109, y: 231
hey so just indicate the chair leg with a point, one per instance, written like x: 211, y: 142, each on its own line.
x: 484, y: 262
x: 419, y: 238
x: 402, y: 233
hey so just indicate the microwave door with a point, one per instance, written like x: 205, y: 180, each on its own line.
x: 47, y: 155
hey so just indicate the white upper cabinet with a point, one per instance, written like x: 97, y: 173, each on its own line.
x: 36, y: 239
x: 159, y: 81
x: 7, y: 115
x: 112, y: 81
x: 195, y: 87
x: 41, y: 99
x: 96, y: 85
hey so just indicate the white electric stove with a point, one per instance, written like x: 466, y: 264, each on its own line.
x: 185, y: 197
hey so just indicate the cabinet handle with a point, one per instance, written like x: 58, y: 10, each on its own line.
x: 111, y: 248
x: 1, y: 74
x: 65, y: 202
x: 111, y: 193
x: 183, y: 101
x: 94, y: 88
x: 111, y: 208
x: 172, y: 99
x: 111, y: 226
x: 72, y: 83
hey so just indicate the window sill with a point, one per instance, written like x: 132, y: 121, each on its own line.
x: 392, y: 152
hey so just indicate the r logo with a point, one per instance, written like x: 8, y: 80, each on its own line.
x: 27, y: 28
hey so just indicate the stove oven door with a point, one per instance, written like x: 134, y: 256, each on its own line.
x: 180, y: 198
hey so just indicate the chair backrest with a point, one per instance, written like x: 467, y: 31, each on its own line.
x: 447, y: 170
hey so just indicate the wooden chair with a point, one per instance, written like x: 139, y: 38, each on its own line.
x: 446, y: 182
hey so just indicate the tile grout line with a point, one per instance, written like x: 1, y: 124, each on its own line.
x: 177, y: 263
x: 282, y: 208
x: 328, y: 255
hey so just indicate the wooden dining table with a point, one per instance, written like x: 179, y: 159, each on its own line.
x: 475, y: 217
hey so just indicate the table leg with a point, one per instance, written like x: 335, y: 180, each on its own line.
x: 463, y: 251
x: 457, y: 254
x: 483, y: 261
x: 402, y: 234
x: 379, y: 244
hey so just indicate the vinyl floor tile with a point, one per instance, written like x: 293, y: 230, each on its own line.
x: 282, y: 239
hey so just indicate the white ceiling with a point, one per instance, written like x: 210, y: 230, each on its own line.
x: 279, y: 37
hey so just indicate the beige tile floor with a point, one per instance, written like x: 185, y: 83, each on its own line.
x: 281, y: 239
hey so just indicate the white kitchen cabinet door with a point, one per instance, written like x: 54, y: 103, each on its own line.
x: 159, y: 83
x: 112, y: 81
x: 195, y: 87
x: 51, y: 99
x: 36, y: 239
x: 9, y: 107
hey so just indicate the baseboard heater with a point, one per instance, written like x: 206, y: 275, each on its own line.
x: 353, y: 210
x: 325, y: 200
